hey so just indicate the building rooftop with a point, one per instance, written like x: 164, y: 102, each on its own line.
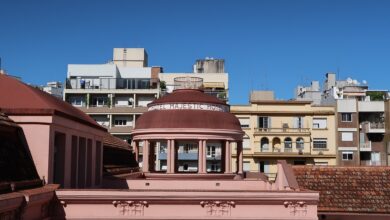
x: 348, y: 189
x: 114, y: 142
x: 21, y: 99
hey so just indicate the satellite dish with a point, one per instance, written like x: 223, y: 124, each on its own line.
x: 349, y: 80
x: 364, y: 82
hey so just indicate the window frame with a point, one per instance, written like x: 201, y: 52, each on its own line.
x: 320, y: 140
x: 347, y: 153
x: 346, y: 114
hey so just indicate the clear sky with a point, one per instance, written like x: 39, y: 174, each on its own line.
x: 266, y: 44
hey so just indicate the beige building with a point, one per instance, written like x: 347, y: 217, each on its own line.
x: 295, y: 131
x: 114, y: 94
x: 210, y: 70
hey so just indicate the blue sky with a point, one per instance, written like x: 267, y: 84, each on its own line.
x: 266, y: 44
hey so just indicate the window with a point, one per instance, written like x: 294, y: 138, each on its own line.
x: 319, y: 123
x: 346, y: 136
x: 264, y: 143
x: 320, y: 143
x: 214, y: 167
x: 346, y: 117
x: 298, y: 122
x: 211, y: 151
x: 300, y: 143
x: 190, y: 148
x: 99, y: 101
x: 120, y: 122
x: 77, y: 101
x: 246, y: 166
x: 246, y: 143
x: 347, y: 155
x: 287, y: 143
x: 264, y: 122
x: 244, y: 122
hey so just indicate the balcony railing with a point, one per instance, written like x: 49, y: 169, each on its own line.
x: 108, y: 83
x: 372, y: 163
x: 283, y: 130
x: 365, y: 146
x: 373, y: 127
x: 282, y: 150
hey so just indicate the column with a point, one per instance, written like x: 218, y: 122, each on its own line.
x: 134, y: 96
x: 239, y: 157
x: 110, y: 96
x: 200, y: 156
x: 204, y: 157
x: 173, y: 156
x: 136, y: 150
x: 145, y: 157
x: 169, y: 163
x: 228, y: 157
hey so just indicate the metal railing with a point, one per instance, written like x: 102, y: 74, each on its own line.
x: 283, y: 130
x: 108, y: 83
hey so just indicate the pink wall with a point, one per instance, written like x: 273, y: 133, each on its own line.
x: 40, y: 132
x: 190, y: 204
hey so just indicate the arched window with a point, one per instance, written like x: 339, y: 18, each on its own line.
x: 300, y: 143
x: 287, y: 144
x: 264, y: 142
x: 276, y: 144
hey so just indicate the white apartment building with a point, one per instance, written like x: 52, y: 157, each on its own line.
x: 212, y: 71
x: 115, y: 94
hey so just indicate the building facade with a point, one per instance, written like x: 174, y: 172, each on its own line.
x: 360, y: 119
x: 114, y: 94
x: 188, y: 119
x: 295, y: 131
x: 211, y: 71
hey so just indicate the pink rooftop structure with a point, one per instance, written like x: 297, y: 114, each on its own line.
x: 186, y: 139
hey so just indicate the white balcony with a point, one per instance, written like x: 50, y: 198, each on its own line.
x: 374, y: 127
x: 365, y: 146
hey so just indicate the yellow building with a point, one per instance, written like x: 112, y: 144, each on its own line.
x: 295, y: 131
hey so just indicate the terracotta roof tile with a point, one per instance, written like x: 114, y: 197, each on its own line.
x: 111, y: 141
x: 18, y: 98
x: 348, y: 189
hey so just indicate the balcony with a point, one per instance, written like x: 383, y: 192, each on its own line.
x: 372, y: 163
x: 292, y: 131
x: 282, y: 151
x: 365, y: 146
x: 108, y: 83
x: 373, y: 127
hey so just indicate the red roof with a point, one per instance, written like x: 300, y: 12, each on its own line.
x: 188, y: 119
x: 18, y: 98
x: 114, y: 142
x: 188, y: 96
x: 348, y: 189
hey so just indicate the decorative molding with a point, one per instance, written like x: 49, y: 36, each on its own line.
x: 296, y: 208
x: 218, y: 208
x: 190, y: 106
x: 131, y: 208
